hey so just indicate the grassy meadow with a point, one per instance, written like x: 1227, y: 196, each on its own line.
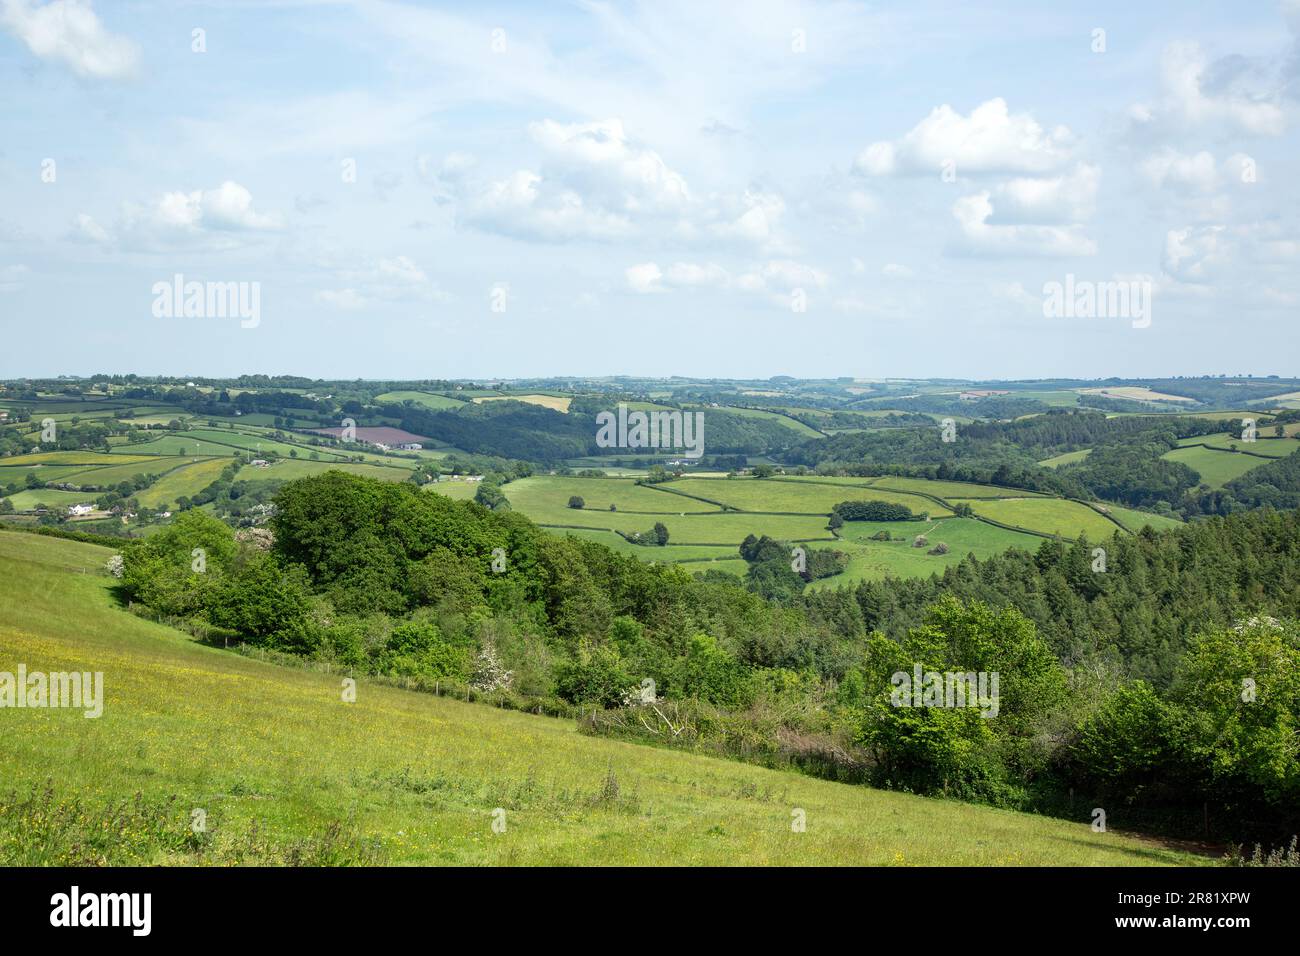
x: 286, y: 772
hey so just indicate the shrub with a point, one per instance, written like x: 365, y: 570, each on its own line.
x: 873, y: 511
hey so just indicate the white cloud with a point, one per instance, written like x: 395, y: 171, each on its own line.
x: 595, y: 183
x: 1196, y: 173
x: 645, y: 277
x: 980, y: 237
x: 990, y: 140
x: 893, y: 270
x: 69, y: 32
x: 598, y: 158
x: 1069, y: 198
x: 1238, y: 93
x: 212, y: 218
x: 772, y: 277
x: 525, y: 206
x: 396, y: 279
x: 1239, y: 259
x: 85, y: 228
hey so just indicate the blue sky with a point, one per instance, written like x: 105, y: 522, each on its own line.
x: 690, y: 188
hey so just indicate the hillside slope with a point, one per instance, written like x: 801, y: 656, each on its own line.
x: 287, y: 772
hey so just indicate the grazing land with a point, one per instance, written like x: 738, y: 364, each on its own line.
x: 283, y: 768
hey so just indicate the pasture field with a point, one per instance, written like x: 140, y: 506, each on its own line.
x: 111, y: 474
x: 549, y: 495
x: 182, y: 482
x: 873, y: 560
x: 28, y: 500
x: 1057, y: 398
x: 1267, y: 447
x: 667, y: 553
x: 216, y: 441
x: 1069, y: 458
x: 951, y: 489
x: 1215, y: 467
x: 559, y: 403
x: 728, y: 528
x: 796, y: 509
x: 287, y: 469
x: 1138, y: 393
x: 1069, y: 519
x: 1135, y: 520
x: 460, y: 490
x: 791, y: 497
x: 410, y: 778
x: 83, y: 458
x: 427, y: 399
x: 18, y: 476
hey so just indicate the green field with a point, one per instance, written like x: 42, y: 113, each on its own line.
x: 9, y: 476
x: 950, y: 489
x: 182, y: 482
x: 796, y: 509
x: 1135, y: 520
x: 545, y: 498
x: 793, y: 497
x: 110, y: 474
x: 287, y: 469
x: 409, y: 778
x: 28, y: 500
x: 1267, y: 447
x: 1069, y: 458
x: 460, y: 490
x: 83, y: 458
x: 1069, y: 519
x: 873, y: 560
x: 1215, y: 467
x: 427, y: 399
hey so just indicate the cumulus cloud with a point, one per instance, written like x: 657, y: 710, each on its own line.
x: 777, y: 276
x: 1234, y: 93
x: 70, y: 32
x: 1196, y: 173
x: 990, y: 140
x: 1068, y: 198
x: 595, y: 182
x: 980, y: 237
x: 202, y: 218
x: 386, y: 280
x: 212, y: 218
x: 1208, y: 253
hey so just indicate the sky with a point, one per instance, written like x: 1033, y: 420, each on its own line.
x: 431, y: 190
